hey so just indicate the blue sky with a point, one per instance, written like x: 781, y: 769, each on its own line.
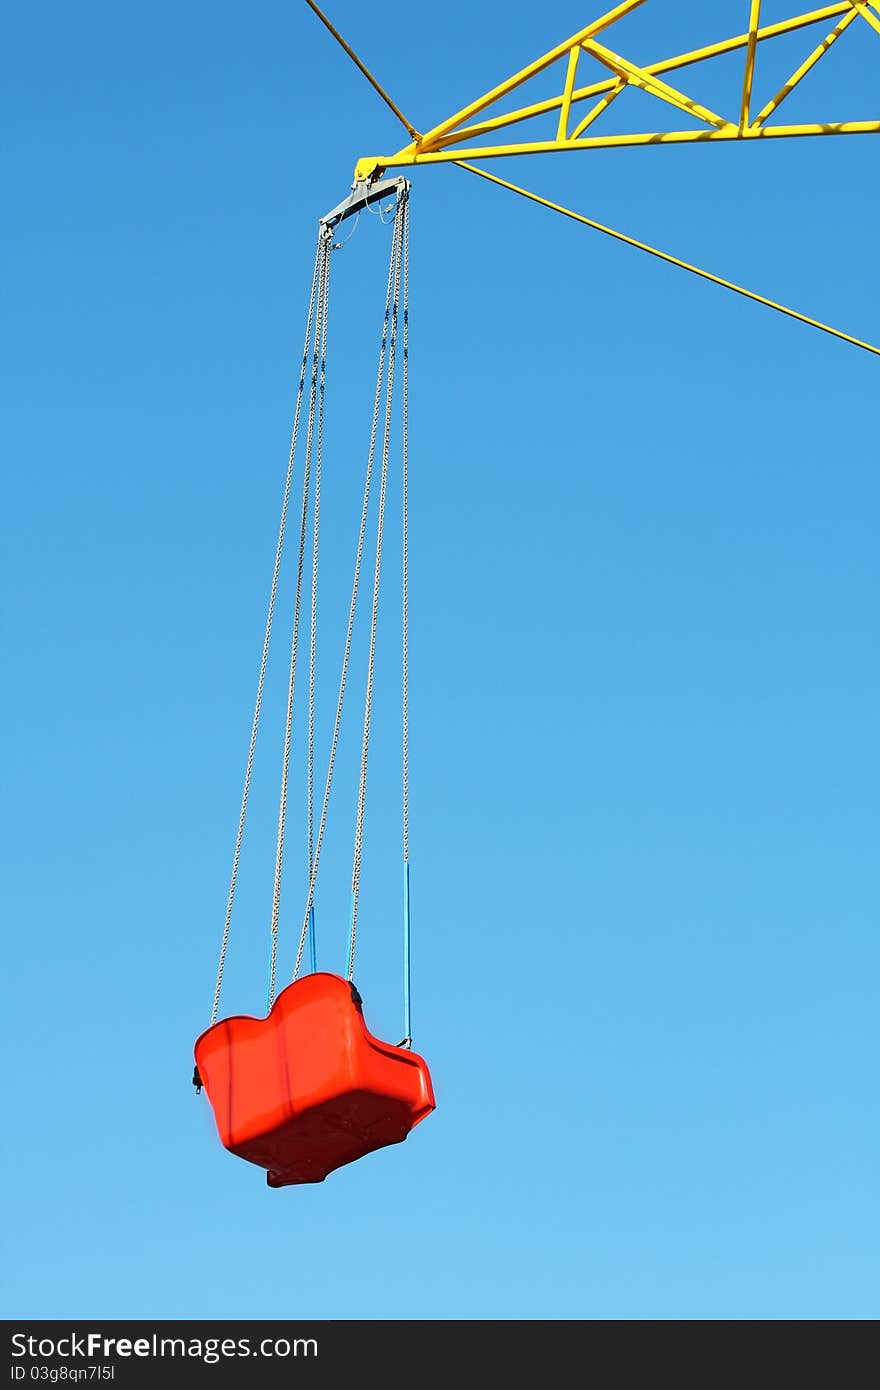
x: 645, y: 677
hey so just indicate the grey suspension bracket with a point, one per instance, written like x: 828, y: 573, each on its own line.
x: 362, y: 195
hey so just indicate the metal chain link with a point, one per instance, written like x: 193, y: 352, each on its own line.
x: 406, y: 1041
x: 353, y: 605
x: 319, y: 348
x: 405, y: 536
x: 383, y: 488
x: 313, y: 629
x: 266, y: 641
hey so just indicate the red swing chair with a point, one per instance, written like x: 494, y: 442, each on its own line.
x: 308, y: 1088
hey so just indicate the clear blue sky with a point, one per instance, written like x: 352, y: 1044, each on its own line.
x: 645, y: 677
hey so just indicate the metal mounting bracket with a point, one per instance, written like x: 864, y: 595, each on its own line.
x: 361, y: 195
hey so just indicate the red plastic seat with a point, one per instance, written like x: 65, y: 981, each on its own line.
x: 308, y: 1088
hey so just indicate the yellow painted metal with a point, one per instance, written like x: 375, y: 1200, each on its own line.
x: 751, y: 51
x: 681, y: 60
x: 867, y: 13
x: 430, y: 148
x: 647, y: 82
x: 601, y: 105
x: 431, y: 137
x: 455, y: 139
x: 806, y: 66
x: 562, y: 128
x: 672, y: 260
x: 610, y: 142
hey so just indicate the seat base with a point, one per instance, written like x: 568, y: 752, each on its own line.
x: 328, y: 1136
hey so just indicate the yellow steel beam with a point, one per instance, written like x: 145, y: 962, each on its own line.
x: 596, y: 111
x: 630, y: 73
x: 680, y: 60
x: 366, y: 168
x: 474, y: 108
x: 649, y: 83
x: 867, y: 13
x: 751, y: 50
x: 806, y: 66
x: 436, y: 145
x: 674, y: 260
x: 571, y: 73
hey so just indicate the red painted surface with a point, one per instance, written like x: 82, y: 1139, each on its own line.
x: 308, y: 1088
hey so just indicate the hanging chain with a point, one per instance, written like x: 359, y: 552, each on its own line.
x: 389, y: 296
x: 266, y: 641
x: 316, y: 531
x: 319, y: 348
x: 383, y: 488
x: 313, y: 628
x: 405, y: 537
x: 404, y: 504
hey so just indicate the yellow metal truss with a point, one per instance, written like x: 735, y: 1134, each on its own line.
x: 465, y: 135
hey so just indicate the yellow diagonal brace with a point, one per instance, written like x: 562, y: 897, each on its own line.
x: 805, y: 67
x: 680, y: 60
x: 570, y: 75
x: 869, y: 15
x: 596, y: 111
x: 648, y: 82
x: 604, y: 21
x: 754, y: 25
x: 673, y: 260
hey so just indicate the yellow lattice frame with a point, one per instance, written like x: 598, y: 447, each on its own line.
x: 462, y: 136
